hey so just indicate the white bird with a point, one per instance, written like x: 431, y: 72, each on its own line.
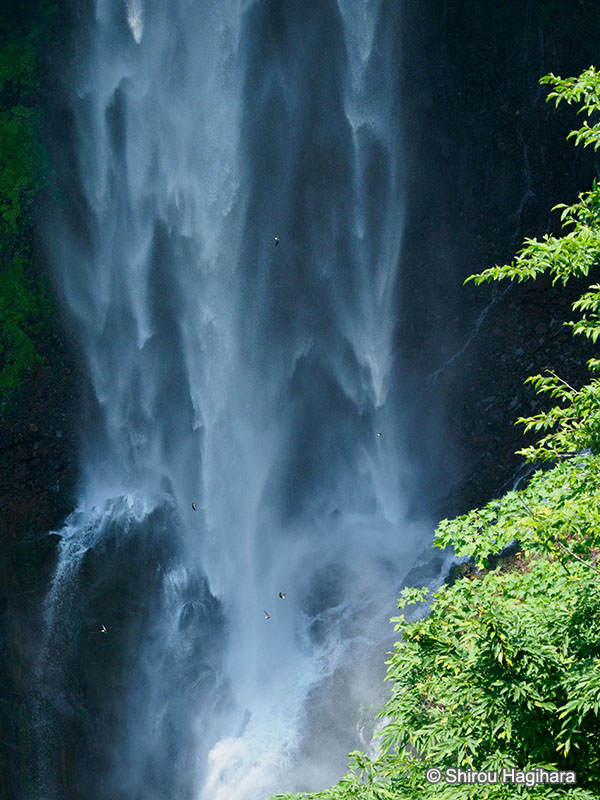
x: 277, y: 240
x: 380, y: 434
x: 103, y: 629
x: 267, y: 616
x: 282, y: 595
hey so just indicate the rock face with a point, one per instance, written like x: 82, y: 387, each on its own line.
x: 37, y: 477
x: 487, y: 160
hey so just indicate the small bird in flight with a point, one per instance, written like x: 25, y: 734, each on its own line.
x: 277, y: 240
x: 267, y: 615
x: 380, y: 434
x: 282, y: 595
x: 194, y: 506
x: 103, y: 629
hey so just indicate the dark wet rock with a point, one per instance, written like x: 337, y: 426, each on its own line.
x: 424, y: 573
x: 471, y: 208
x: 489, y: 440
x: 459, y: 570
x: 37, y: 480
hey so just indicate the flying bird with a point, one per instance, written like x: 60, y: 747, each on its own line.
x: 282, y: 595
x: 103, y: 629
x: 380, y: 434
x: 267, y: 615
x: 277, y: 240
x: 194, y: 506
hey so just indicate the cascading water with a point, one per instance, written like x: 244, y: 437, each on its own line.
x: 247, y: 378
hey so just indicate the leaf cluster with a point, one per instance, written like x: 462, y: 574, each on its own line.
x: 556, y: 515
x: 493, y: 677
x: 24, y: 167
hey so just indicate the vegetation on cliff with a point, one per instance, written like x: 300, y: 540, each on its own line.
x: 504, y: 672
x: 24, y: 170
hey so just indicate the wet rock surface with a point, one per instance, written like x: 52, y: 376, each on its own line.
x: 37, y: 479
x: 487, y: 160
x: 533, y: 339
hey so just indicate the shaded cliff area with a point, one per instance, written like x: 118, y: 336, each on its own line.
x: 37, y: 379
x: 487, y: 159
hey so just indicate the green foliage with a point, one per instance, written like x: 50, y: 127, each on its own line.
x: 504, y: 671
x: 572, y: 255
x: 22, y: 306
x: 23, y: 169
x: 19, y: 157
x: 18, y: 66
x: 583, y: 90
x: 557, y: 515
x: 492, y: 678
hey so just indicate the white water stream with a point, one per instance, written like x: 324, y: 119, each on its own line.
x: 247, y: 378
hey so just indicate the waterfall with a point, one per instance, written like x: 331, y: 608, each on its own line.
x: 248, y: 378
